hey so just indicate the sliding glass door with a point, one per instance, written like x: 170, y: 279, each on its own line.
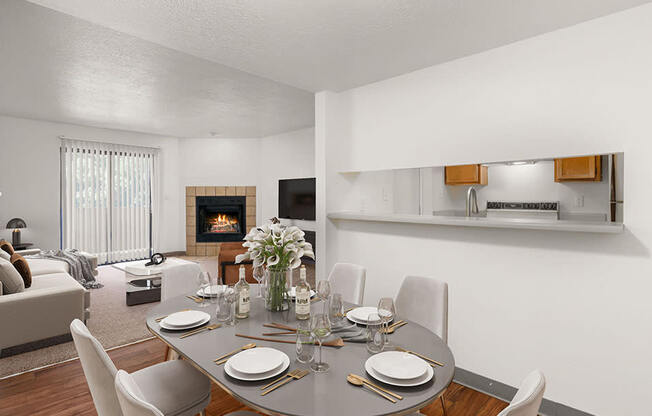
x: 108, y: 199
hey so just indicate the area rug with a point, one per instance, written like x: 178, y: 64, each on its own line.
x: 112, y: 322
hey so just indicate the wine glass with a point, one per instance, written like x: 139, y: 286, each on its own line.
x: 386, y: 311
x: 321, y: 329
x: 203, y: 282
x: 324, y: 291
x: 259, y: 274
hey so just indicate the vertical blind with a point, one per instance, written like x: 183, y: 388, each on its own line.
x: 108, y: 199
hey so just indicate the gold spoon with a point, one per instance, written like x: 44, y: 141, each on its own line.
x: 219, y: 360
x: 357, y: 382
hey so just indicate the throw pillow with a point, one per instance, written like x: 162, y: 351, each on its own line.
x: 12, y: 282
x: 7, y: 247
x: 5, y: 255
x: 21, y: 265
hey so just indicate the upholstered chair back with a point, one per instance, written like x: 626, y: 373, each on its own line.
x: 98, y: 368
x: 424, y: 300
x: 348, y: 279
x: 528, y: 398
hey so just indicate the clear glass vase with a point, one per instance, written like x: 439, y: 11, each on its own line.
x: 277, y: 284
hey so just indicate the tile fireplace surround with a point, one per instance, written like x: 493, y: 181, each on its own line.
x: 193, y: 248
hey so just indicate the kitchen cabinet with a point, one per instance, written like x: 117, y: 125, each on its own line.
x: 465, y: 175
x: 583, y: 169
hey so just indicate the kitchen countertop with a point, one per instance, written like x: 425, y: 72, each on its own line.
x: 483, y: 222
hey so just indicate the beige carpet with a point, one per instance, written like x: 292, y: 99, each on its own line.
x: 112, y: 322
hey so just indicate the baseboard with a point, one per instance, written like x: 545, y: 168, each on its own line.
x: 505, y: 392
x: 35, y: 345
x: 174, y: 253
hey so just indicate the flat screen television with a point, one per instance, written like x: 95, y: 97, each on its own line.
x: 296, y: 198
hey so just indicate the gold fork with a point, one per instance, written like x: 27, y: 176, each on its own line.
x: 290, y: 374
x: 419, y: 355
x: 198, y: 330
x: 296, y: 376
x: 394, y: 327
x: 197, y: 299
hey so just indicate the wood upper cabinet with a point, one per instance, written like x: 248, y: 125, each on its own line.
x: 465, y: 175
x: 586, y: 168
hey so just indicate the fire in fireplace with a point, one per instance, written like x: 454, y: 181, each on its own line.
x: 220, y: 218
x: 223, y: 223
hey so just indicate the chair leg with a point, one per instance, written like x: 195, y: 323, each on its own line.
x: 202, y: 413
x: 443, y: 403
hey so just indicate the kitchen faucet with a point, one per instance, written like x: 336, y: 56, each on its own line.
x: 471, y: 206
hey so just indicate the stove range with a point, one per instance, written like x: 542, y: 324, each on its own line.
x: 542, y: 210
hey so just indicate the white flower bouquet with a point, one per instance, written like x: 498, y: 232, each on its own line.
x: 278, y: 248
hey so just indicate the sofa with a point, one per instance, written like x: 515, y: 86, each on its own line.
x: 45, y: 309
x: 228, y: 270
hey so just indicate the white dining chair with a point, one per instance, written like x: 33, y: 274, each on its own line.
x: 528, y: 398
x: 348, y: 279
x: 424, y: 300
x: 133, y: 402
x: 175, y: 388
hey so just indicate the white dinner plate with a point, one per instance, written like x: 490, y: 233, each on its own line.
x: 397, y: 382
x: 399, y: 365
x: 293, y: 292
x: 210, y: 291
x: 181, y: 328
x: 257, y: 377
x: 184, y: 318
x: 256, y: 361
x: 360, y: 315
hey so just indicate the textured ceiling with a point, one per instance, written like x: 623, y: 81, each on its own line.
x: 60, y: 68
x: 335, y: 44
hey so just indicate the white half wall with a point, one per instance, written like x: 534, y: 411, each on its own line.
x: 29, y: 157
x: 574, y: 305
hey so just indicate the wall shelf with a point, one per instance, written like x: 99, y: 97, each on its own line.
x: 482, y: 222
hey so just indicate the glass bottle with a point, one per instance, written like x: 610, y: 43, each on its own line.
x: 302, y: 296
x: 242, y: 296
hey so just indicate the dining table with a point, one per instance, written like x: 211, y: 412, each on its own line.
x: 315, y: 394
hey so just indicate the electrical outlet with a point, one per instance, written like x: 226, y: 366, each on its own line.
x: 579, y: 201
x: 385, y: 195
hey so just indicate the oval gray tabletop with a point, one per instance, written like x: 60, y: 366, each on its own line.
x: 316, y: 394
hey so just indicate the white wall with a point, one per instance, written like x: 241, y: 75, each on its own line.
x: 575, y: 305
x: 29, y: 157
x: 284, y: 156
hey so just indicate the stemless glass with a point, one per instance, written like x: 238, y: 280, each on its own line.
x: 336, y: 308
x: 324, y: 290
x: 305, y: 342
x: 386, y: 311
x: 203, y: 282
x: 213, y: 288
x: 321, y: 329
x: 226, y: 305
x: 375, y: 336
x: 259, y: 274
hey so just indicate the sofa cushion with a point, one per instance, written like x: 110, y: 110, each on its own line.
x: 7, y: 247
x: 12, y: 282
x: 47, y: 266
x: 5, y: 255
x: 21, y: 265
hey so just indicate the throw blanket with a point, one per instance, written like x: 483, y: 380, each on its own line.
x: 80, y: 268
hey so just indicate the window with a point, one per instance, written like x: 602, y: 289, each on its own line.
x: 108, y: 199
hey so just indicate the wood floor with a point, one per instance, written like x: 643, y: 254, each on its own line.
x: 61, y: 390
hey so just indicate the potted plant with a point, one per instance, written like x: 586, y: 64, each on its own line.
x: 278, y: 248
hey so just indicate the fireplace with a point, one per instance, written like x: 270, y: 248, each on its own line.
x: 220, y: 218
